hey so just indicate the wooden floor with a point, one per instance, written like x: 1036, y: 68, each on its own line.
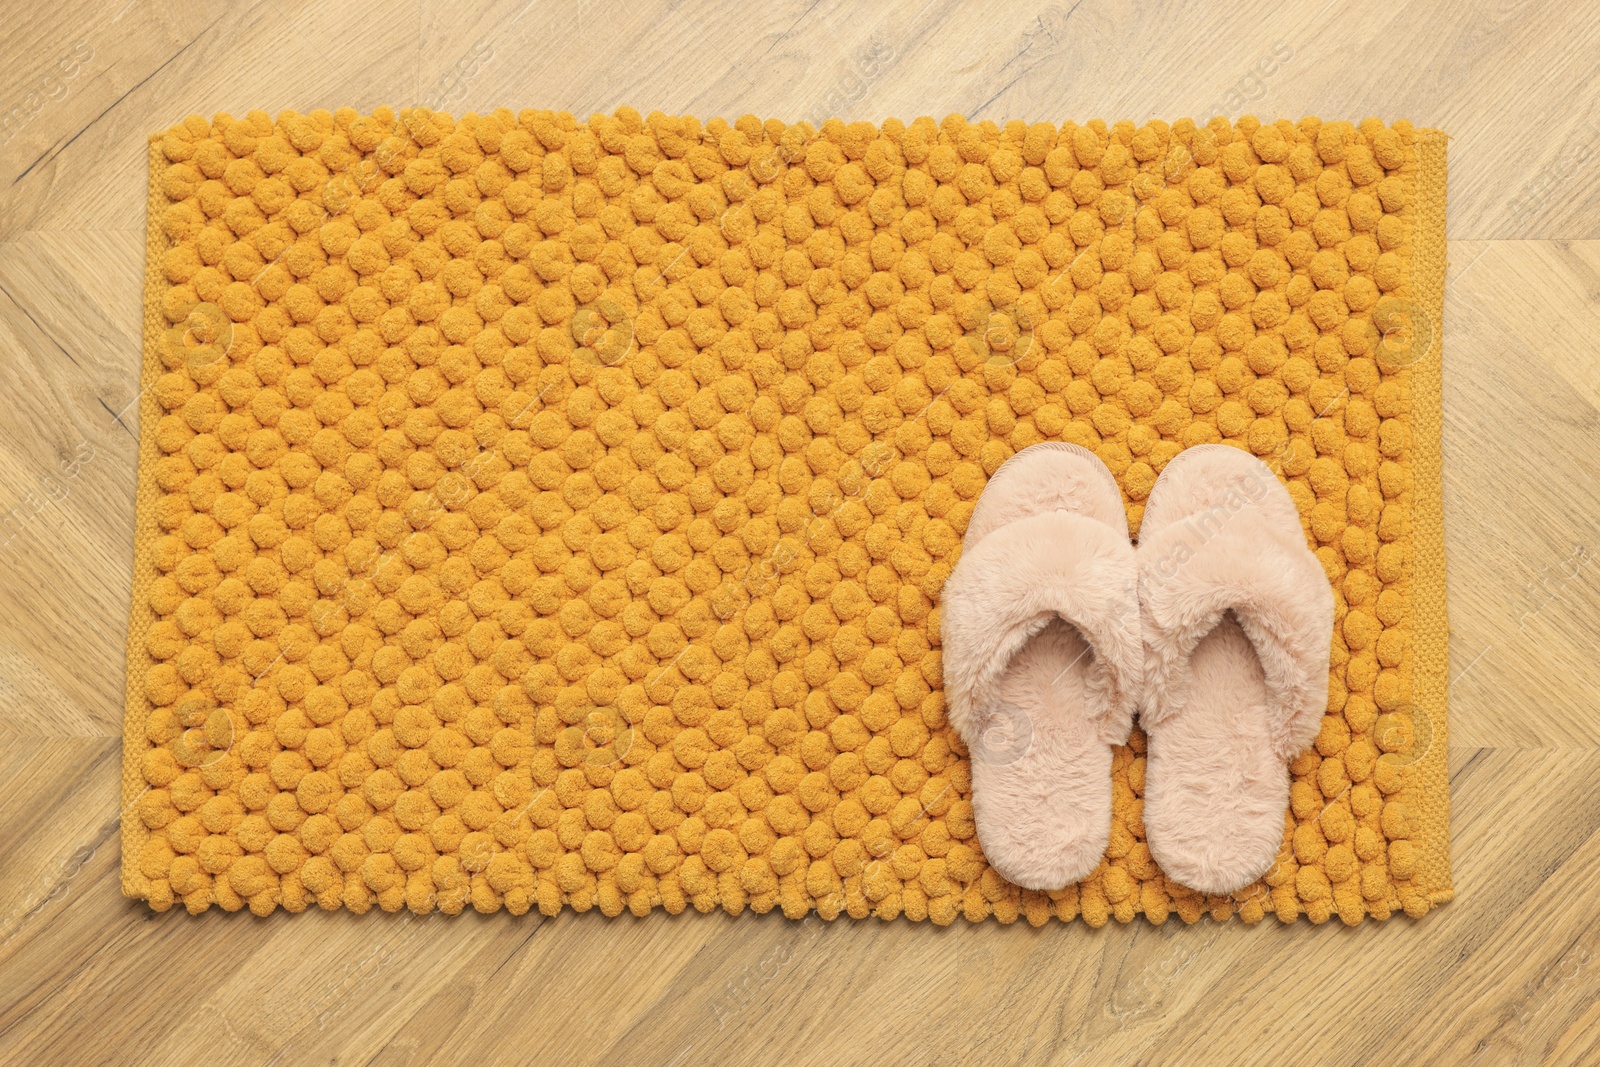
x: 1507, y: 974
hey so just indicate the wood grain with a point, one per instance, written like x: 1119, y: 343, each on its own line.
x: 1507, y: 974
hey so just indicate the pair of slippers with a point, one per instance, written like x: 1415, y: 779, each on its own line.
x: 1056, y: 630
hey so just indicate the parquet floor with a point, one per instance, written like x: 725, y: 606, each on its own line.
x: 1507, y: 974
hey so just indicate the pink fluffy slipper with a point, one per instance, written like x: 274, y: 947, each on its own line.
x: 1039, y: 624
x: 1238, y: 620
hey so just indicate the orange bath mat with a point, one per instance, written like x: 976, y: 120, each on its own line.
x: 536, y: 512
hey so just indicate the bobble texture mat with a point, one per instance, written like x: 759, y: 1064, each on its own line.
x: 537, y: 513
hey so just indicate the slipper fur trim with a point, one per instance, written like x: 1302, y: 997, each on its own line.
x: 1012, y: 583
x: 1245, y: 553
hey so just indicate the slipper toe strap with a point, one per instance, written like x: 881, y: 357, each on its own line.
x: 1013, y: 583
x: 1192, y: 572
